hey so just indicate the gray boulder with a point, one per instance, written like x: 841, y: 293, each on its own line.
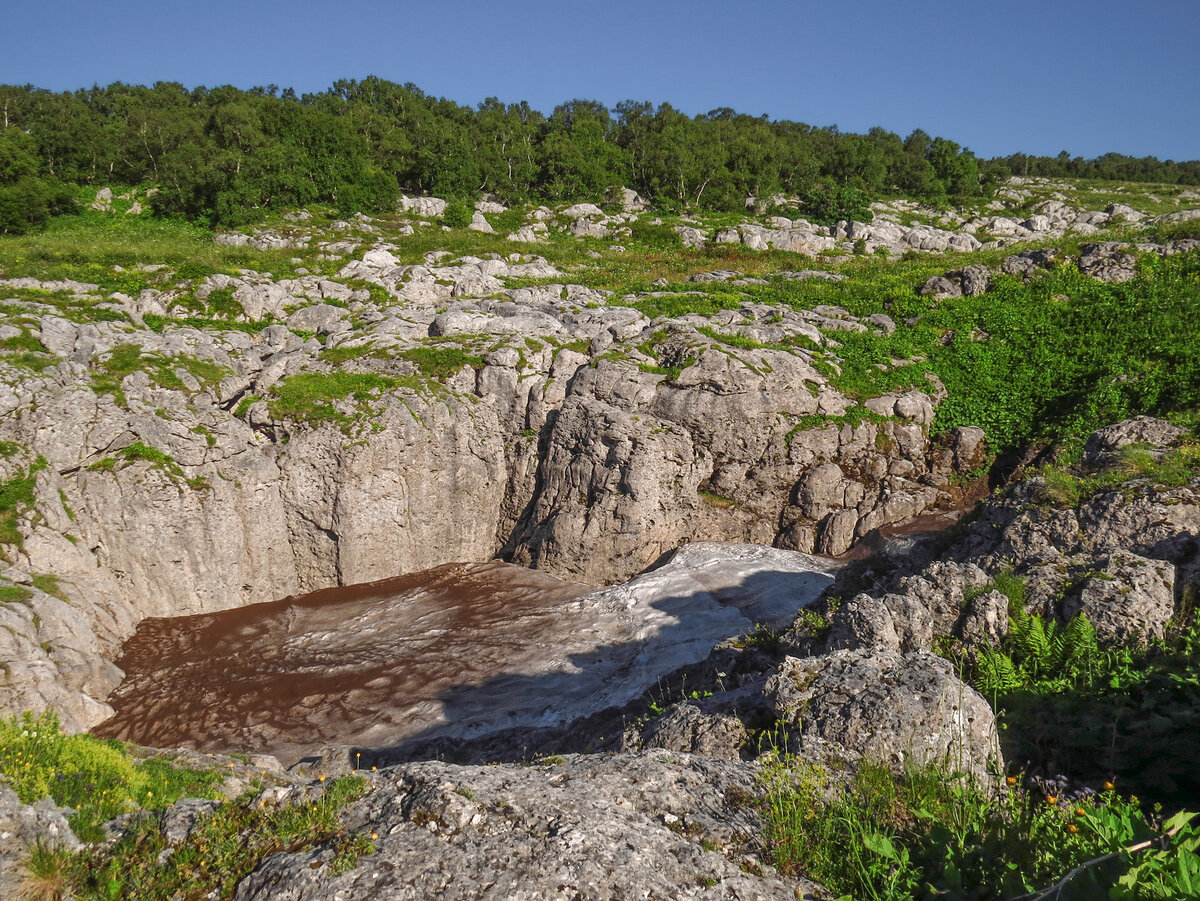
x: 985, y: 621
x: 23, y: 827
x: 895, y: 709
x: 939, y: 287
x: 1108, y: 261
x: 862, y: 622
x: 1128, y: 599
x: 1103, y: 444
x: 685, y: 727
x: 479, y: 223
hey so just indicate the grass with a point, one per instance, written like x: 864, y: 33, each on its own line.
x: 1064, y: 486
x: 126, y: 359
x: 315, y: 398
x: 223, y: 849
x: 101, y: 780
x: 16, y: 498
x: 97, y: 779
x: 930, y: 833
x: 86, y: 246
x: 14, y: 594
x: 440, y: 361
x: 144, y: 453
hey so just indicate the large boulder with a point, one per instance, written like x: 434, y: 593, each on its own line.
x: 1102, y: 445
x: 1127, y: 598
x: 896, y: 709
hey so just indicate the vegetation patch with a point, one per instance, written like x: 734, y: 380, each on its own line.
x: 1062, y: 486
x: 98, y: 779
x: 854, y: 417
x: 440, y: 361
x: 314, y: 397
x: 224, y: 848
x: 930, y: 833
x: 17, y: 498
x: 126, y: 359
x: 141, y: 452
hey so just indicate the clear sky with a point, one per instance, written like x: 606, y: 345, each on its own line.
x: 1038, y: 76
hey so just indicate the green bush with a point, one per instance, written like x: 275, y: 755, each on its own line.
x: 829, y: 204
x: 458, y: 214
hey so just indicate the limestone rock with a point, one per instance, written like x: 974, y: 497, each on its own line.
x: 1102, y: 445
x: 426, y: 207
x: 1108, y: 262
x: 939, y: 287
x: 684, y: 727
x: 899, y: 710
x: 22, y: 828
x: 479, y: 223
x: 1130, y: 598
x: 629, y: 825
x: 985, y: 621
x: 862, y: 622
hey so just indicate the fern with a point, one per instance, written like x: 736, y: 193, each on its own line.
x: 996, y: 673
x: 1030, y: 640
x: 1079, y: 650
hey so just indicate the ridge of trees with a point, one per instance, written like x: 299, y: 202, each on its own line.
x: 225, y: 155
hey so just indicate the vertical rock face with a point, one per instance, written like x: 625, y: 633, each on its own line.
x: 426, y: 489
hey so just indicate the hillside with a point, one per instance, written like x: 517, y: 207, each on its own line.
x: 194, y: 421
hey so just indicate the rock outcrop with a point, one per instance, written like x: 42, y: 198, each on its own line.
x: 650, y: 825
x: 1123, y: 551
x: 194, y: 470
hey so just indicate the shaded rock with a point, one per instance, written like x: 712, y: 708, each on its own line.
x: 899, y: 710
x: 1130, y: 598
x: 975, y: 280
x: 182, y: 818
x: 862, y: 622
x: 1102, y: 445
x: 1108, y: 262
x: 939, y: 287
x: 1028, y: 262
x: 985, y: 621
x: 684, y: 727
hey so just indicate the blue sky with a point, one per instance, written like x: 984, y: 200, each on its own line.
x: 998, y: 77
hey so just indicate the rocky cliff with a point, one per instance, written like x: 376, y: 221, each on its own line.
x: 429, y: 416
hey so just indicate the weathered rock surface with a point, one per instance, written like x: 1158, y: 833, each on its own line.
x: 900, y: 710
x: 653, y: 825
x: 1123, y: 556
x: 22, y: 828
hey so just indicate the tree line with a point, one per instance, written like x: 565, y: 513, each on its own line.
x: 225, y: 155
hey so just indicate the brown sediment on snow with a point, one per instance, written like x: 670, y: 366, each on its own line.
x: 344, y: 664
x: 459, y: 651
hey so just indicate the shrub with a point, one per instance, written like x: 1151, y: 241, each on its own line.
x: 97, y: 778
x: 930, y: 833
x: 458, y: 214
